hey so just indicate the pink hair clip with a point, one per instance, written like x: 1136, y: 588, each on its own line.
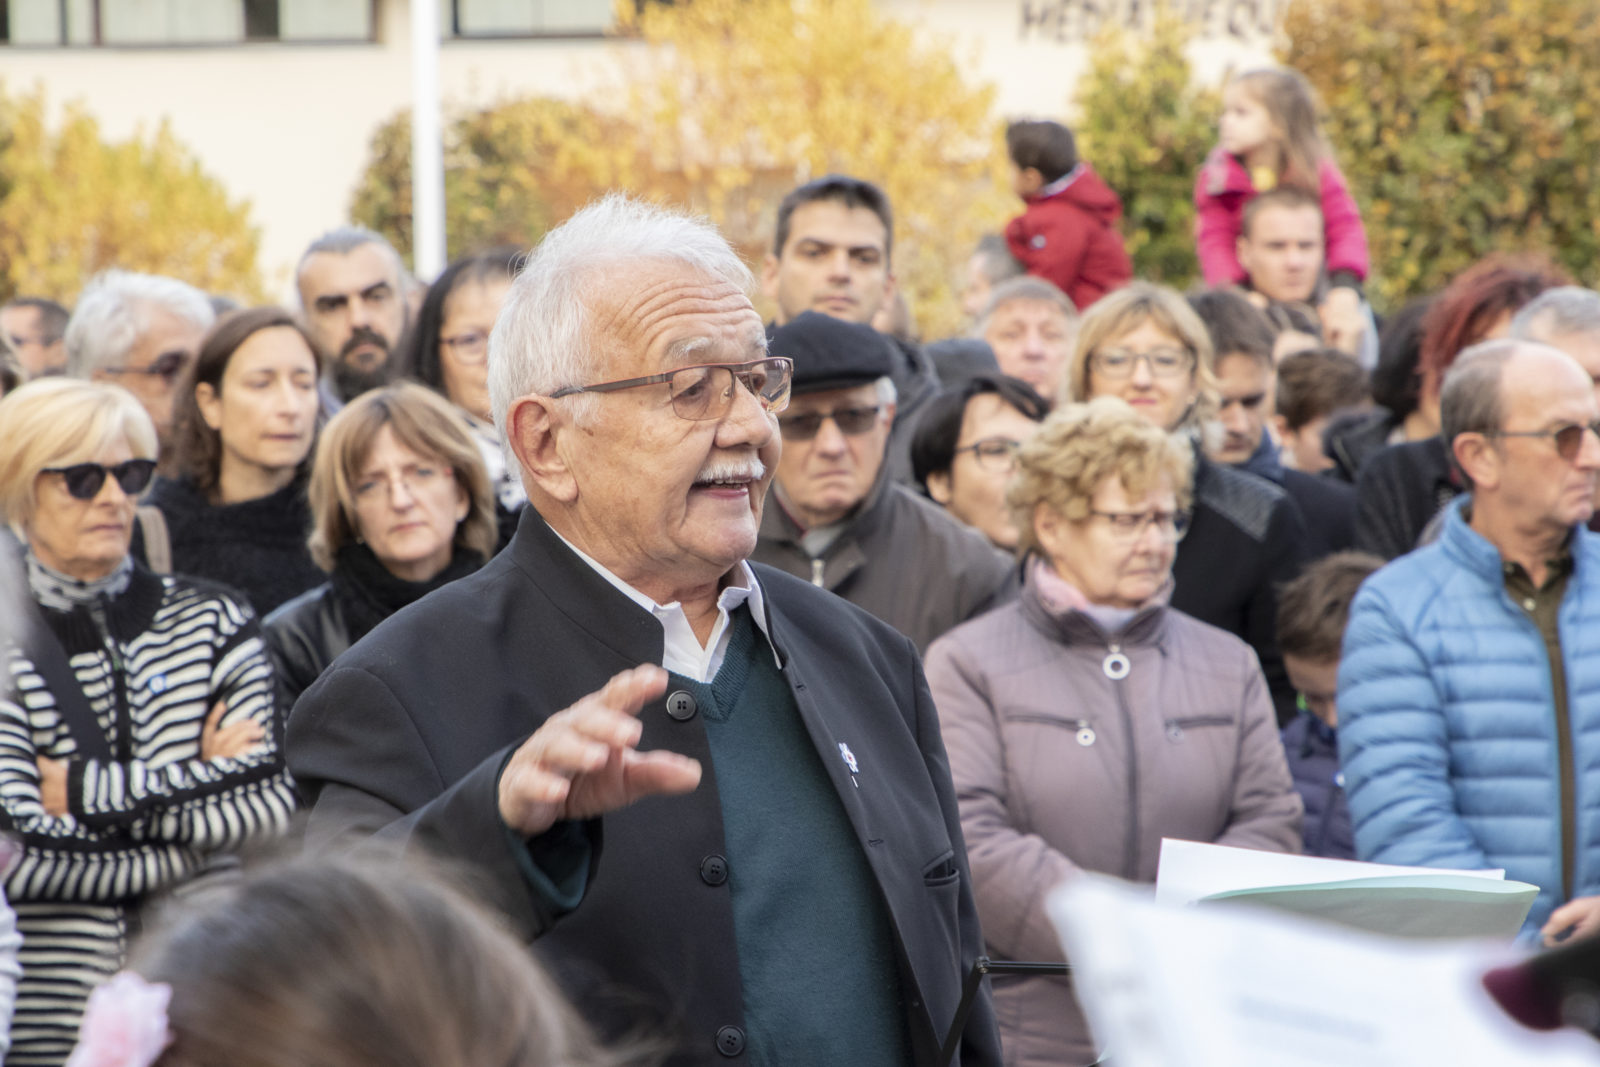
x: 125, y: 1024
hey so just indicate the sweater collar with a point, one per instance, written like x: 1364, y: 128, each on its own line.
x: 61, y: 592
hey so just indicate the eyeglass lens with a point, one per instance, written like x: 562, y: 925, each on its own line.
x: 707, y: 392
x: 1569, y: 439
x: 1163, y: 362
x: 84, y: 480
x: 851, y: 422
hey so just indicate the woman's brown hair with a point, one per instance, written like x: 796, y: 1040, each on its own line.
x: 355, y: 961
x: 199, y: 447
x: 422, y: 421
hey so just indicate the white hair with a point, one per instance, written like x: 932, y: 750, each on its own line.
x: 1558, y: 313
x: 541, y: 341
x: 887, y: 394
x: 115, y: 309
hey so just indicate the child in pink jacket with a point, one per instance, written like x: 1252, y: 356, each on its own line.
x: 1270, y: 136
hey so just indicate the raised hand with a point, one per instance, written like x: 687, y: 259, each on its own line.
x: 584, y: 761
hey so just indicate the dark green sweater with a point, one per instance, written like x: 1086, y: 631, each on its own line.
x: 816, y: 950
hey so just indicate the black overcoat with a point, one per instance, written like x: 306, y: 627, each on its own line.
x: 405, y: 735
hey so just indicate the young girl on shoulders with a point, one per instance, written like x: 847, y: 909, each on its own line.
x: 1269, y: 136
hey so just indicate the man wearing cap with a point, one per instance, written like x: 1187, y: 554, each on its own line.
x: 838, y: 520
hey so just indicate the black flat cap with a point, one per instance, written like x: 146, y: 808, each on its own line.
x: 830, y: 353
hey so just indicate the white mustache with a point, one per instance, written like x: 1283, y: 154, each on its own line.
x: 749, y: 469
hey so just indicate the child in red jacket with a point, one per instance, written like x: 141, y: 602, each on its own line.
x: 1068, y: 232
x: 1270, y: 136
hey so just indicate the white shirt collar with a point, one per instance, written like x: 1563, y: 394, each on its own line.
x: 682, y: 652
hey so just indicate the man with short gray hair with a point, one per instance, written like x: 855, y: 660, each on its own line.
x: 1469, y: 691
x: 1031, y: 326
x: 142, y: 332
x: 1566, y: 317
x: 351, y: 284
x: 783, y: 872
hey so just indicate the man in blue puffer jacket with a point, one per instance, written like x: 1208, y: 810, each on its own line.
x: 1469, y: 693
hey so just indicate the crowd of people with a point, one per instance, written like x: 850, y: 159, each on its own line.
x: 764, y: 675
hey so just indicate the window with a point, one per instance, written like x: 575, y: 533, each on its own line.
x: 147, y: 23
x: 529, y: 18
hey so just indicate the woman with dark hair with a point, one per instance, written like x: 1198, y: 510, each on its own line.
x: 448, y: 351
x: 400, y: 506
x: 246, y: 421
x: 1405, y: 485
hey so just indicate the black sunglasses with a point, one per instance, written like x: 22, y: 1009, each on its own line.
x: 851, y: 422
x: 85, y: 479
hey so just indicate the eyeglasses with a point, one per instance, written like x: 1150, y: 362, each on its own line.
x: 167, y: 366
x: 1568, y: 437
x: 416, y: 479
x: 1128, y: 526
x: 997, y: 454
x: 469, y: 347
x: 1163, y: 362
x: 852, y: 422
x: 83, y: 480
x: 705, y: 391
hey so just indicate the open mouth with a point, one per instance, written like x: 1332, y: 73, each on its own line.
x: 731, y: 477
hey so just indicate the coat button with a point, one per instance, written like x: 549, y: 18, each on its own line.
x: 713, y: 870
x: 681, y: 706
x: 730, y: 1040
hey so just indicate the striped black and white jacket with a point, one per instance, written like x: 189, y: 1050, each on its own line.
x: 152, y: 661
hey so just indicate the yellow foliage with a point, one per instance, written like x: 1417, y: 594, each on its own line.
x: 1463, y: 126
x: 751, y: 97
x: 722, y: 106
x: 72, y: 204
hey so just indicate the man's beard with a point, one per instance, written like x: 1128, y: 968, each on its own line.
x: 349, y: 380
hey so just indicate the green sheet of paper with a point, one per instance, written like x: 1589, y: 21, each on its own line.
x: 1421, y: 905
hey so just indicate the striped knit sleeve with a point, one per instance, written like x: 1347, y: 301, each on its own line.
x: 63, y: 859
x: 204, y: 804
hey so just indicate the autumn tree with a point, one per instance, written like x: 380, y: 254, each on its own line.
x: 1463, y: 126
x: 72, y: 204
x: 1146, y: 128
x: 722, y: 106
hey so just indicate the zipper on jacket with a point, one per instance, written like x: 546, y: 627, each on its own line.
x: 119, y: 687
x: 1130, y: 858
x: 816, y: 572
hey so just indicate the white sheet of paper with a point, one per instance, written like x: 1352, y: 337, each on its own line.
x: 1190, y: 870
x: 1167, y: 986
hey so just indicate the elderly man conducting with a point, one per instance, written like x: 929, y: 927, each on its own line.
x: 1469, y: 692
x: 838, y: 520
x: 783, y: 867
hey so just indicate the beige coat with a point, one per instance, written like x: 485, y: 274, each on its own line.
x: 1059, y: 767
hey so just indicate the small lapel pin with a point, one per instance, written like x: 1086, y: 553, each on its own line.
x: 849, y: 758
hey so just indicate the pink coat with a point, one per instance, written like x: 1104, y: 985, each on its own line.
x: 1222, y: 190
x: 1059, y: 767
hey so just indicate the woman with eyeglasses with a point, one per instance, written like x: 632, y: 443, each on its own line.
x: 448, y: 351
x: 1145, y: 345
x: 246, y: 423
x: 400, y: 506
x: 1088, y: 719
x: 138, y: 737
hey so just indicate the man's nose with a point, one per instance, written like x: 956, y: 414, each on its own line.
x: 1589, y: 451
x: 830, y: 440
x: 839, y: 264
x: 1233, y: 417
x: 747, y: 421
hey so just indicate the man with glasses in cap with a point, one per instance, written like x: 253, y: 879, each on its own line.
x: 838, y: 520
x: 1469, y: 691
x: 142, y: 332
x: 782, y: 873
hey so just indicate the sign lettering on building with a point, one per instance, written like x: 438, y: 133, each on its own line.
x: 1074, y: 21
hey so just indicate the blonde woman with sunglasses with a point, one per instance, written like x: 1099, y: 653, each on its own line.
x: 137, y: 730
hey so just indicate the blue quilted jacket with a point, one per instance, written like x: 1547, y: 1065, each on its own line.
x: 1447, y: 721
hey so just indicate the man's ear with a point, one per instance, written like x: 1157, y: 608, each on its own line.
x: 1478, y: 457
x: 769, y: 280
x: 535, y: 429
x: 938, y: 483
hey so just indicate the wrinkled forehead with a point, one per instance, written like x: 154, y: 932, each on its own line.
x: 1283, y: 222
x: 1033, y: 312
x: 654, y: 316
x: 1546, y: 385
x: 344, y: 273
